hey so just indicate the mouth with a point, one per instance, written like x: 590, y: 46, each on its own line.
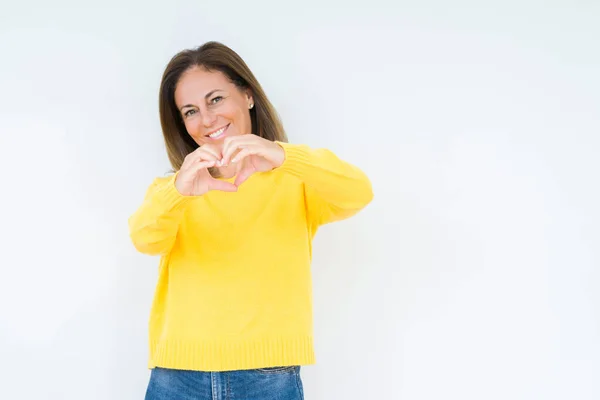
x: 218, y: 133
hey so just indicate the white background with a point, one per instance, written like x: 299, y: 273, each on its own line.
x: 474, y: 273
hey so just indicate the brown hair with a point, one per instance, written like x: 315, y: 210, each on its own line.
x: 213, y: 56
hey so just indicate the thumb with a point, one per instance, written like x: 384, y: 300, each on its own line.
x: 244, y: 174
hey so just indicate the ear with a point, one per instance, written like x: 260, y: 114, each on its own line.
x: 249, y: 98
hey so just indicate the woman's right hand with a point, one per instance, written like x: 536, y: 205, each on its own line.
x: 193, y: 178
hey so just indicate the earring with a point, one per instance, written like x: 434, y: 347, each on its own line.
x: 251, y: 105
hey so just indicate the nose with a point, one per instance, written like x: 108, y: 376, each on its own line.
x: 208, y: 118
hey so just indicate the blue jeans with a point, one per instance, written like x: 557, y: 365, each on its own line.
x: 278, y: 383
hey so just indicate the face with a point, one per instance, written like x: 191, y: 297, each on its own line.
x: 212, y: 107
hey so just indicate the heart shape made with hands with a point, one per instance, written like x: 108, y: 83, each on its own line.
x: 250, y: 154
x: 244, y: 168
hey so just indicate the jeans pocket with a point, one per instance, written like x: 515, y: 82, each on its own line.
x: 276, y: 370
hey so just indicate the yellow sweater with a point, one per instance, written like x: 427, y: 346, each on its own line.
x: 234, y: 287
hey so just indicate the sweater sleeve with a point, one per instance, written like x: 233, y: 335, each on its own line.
x: 334, y: 189
x: 153, y: 226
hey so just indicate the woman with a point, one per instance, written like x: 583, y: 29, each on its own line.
x: 232, y: 312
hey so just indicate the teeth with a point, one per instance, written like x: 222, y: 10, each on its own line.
x: 217, y: 133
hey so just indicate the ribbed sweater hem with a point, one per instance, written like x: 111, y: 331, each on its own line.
x: 229, y: 356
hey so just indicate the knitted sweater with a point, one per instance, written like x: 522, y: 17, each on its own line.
x: 234, y: 284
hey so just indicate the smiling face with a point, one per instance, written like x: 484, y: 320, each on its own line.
x: 211, y: 106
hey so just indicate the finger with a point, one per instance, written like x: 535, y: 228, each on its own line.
x: 198, y: 155
x: 223, y: 186
x: 208, y: 154
x: 229, y: 146
x: 240, y: 155
x: 201, y: 164
x: 246, y: 148
x: 234, y: 143
x: 210, y: 149
x: 205, y: 164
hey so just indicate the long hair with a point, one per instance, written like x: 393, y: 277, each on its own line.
x: 213, y: 56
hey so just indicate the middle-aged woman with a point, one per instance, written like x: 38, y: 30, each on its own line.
x: 233, y: 226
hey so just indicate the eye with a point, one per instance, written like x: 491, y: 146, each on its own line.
x: 217, y: 99
x: 189, y: 113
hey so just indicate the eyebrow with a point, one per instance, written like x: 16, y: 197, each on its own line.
x: 206, y: 97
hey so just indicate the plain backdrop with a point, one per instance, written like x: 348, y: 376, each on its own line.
x: 474, y: 273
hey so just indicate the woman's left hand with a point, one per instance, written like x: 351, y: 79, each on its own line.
x: 253, y: 153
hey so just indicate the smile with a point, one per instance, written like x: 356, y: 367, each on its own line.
x: 218, y: 133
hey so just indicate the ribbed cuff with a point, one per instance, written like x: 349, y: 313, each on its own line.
x: 170, y: 196
x: 297, y: 158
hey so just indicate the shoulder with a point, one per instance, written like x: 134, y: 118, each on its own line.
x: 160, y: 182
